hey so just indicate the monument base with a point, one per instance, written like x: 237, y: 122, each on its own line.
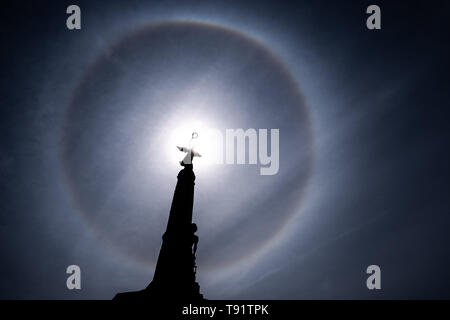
x: 155, y: 292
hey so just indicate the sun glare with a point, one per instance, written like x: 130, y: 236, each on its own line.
x: 194, y: 135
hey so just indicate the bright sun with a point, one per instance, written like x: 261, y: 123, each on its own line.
x: 201, y: 141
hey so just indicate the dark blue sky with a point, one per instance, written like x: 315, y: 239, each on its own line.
x: 363, y: 118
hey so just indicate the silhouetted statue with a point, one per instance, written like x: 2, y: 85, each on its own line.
x: 194, y: 238
x: 191, y: 153
x: 174, y: 277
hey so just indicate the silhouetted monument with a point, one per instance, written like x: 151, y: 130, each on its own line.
x: 174, y: 277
